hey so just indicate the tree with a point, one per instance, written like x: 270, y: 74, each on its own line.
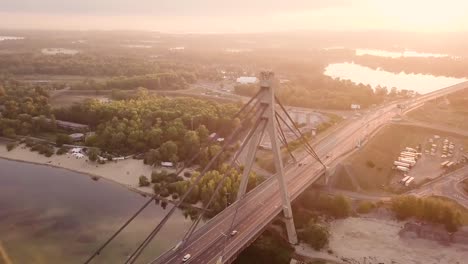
x: 93, y: 154
x: 316, y: 235
x: 203, y: 133
x: 191, y: 143
x: 341, y: 207
x: 168, y: 151
x: 143, y: 181
x: 9, y: 132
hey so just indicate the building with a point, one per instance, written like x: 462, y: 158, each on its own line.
x: 70, y: 125
x: 247, y: 80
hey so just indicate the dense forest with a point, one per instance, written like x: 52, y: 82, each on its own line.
x: 99, y: 65
x: 168, y: 129
x: 24, y: 109
x: 320, y: 91
x: 168, y: 184
x: 160, y: 81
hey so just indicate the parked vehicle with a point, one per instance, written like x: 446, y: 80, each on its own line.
x: 403, y: 164
x: 409, y: 181
x: 401, y: 168
x: 402, y: 181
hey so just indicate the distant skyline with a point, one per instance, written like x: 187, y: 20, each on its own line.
x: 207, y: 16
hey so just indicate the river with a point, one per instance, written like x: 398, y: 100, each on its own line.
x: 50, y: 215
x: 421, y: 83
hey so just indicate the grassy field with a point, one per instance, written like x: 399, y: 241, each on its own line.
x: 450, y: 111
x: 372, y: 165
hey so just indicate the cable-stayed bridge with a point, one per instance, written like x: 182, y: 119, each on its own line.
x: 253, y: 211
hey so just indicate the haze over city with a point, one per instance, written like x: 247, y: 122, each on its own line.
x: 208, y: 16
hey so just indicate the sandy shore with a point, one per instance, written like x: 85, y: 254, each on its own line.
x: 124, y: 172
x: 367, y: 240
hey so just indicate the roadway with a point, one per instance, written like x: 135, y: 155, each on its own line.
x: 260, y: 206
x: 447, y: 186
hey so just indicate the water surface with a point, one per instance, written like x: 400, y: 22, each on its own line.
x: 398, y: 54
x: 55, y: 51
x: 421, y: 83
x: 2, y: 38
x: 50, y: 215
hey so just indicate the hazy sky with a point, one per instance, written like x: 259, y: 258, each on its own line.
x: 236, y: 15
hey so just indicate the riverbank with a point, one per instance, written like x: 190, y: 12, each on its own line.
x: 124, y: 172
x: 358, y: 240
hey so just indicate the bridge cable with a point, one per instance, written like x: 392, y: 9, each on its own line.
x: 238, y: 203
x: 307, y: 149
x: 296, y: 127
x: 186, y: 164
x: 283, y: 138
x: 194, y: 225
x: 133, y: 257
x: 248, y: 103
x: 298, y: 130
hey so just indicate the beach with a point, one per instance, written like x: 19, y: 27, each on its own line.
x: 124, y: 172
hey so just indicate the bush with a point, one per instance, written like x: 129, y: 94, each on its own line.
x: 370, y: 164
x: 340, y: 207
x: 157, y: 187
x: 61, y: 139
x: 29, y: 142
x: 365, y: 207
x: 175, y: 196
x: 9, y: 132
x: 164, y: 192
x: 427, y: 209
x: 61, y: 151
x: 143, y: 181
x: 10, y: 146
x: 44, y: 149
x: 187, y: 174
x: 316, y: 235
x: 93, y: 154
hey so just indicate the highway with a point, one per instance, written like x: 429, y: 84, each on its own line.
x: 263, y: 204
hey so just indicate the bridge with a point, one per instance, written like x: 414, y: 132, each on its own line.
x: 254, y: 210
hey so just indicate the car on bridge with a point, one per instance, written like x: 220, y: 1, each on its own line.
x: 186, y: 257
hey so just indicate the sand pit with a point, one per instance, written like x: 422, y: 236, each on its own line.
x: 366, y: 240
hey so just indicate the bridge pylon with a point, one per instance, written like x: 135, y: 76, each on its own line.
x: 267, y: 99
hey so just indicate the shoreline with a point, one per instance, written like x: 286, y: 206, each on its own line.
x: 109, y: 172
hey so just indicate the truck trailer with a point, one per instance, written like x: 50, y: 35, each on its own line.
x: 401, y: 168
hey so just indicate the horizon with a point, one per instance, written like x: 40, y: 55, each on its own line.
x: 214, y: 17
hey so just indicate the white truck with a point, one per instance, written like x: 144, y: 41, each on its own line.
x: 403, y: 164
x: 410, y: 150
x: 409, y: 181
x: 407, y: 161
x: 401, y: 168
x: 402, y: 181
